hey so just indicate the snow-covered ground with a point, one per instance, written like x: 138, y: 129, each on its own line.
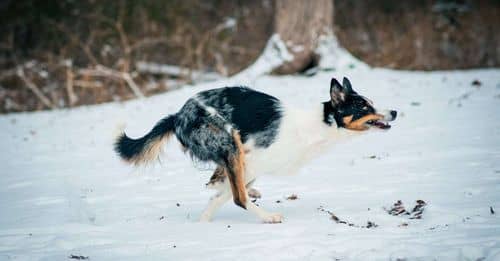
x: 64, y: 192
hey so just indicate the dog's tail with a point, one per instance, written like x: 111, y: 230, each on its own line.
x: 147, y: 148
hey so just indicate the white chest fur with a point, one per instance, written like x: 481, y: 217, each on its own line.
x: 302, y: 136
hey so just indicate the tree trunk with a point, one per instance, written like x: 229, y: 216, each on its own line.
x: 300, y: 23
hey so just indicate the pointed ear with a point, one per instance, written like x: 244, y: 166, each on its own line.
x: 347, y: 85
x: 337, y: 93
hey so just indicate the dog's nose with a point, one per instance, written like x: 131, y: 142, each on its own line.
x: 394, y: 114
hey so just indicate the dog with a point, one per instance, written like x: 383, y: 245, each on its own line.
x: 247, y: 133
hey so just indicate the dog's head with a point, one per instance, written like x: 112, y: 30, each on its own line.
x: 353, y: 111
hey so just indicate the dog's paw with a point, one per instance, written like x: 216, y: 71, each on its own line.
x: 273, y: 218
x: 205, y: 218
x: 253, y: 193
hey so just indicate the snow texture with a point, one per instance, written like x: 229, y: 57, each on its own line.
x: 64, y: 192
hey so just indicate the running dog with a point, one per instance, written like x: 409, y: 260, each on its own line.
x: 247, y: 133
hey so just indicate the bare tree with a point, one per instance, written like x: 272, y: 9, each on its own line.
x: 300, y: 23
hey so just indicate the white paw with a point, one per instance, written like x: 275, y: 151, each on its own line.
x: 253, y: 193
x: 205, y: 218
x: 273, y: 218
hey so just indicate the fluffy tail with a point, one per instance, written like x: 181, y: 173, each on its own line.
x: 147, y: 148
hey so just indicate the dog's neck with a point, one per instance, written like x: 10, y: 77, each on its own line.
x: 320, y: 127
x: 330, y: 115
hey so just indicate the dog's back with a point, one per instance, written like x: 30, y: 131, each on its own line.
x: 254, y: 114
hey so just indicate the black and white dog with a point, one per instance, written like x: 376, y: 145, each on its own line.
x: 247, y: 133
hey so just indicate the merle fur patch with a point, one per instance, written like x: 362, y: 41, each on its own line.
x: 256, y: 115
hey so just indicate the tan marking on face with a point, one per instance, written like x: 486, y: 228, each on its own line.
x: 359, y: 124
x: 347, y: 119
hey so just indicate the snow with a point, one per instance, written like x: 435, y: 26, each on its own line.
x: 64, y: 192
x: 334, y: 56
x: 274, y: 54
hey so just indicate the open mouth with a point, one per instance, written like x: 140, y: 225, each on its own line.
x: 378, y: 124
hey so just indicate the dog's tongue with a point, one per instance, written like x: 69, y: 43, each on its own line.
x: 382, y: 125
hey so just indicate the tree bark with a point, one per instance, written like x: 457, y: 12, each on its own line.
x: 299, y: 24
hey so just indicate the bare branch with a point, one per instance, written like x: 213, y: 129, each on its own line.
x: 34, y: 88
x: 72, y: 98
x: 88, y: 84
x: 101, y: 71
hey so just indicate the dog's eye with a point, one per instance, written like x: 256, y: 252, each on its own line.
x: 370, y: 122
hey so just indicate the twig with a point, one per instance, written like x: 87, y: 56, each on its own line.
x: 164, y: 69
x: 132, y: 85
x: 72, y: 98
x: 219, y: 64
x: 148, y: 42
x: 34, y: 88
x: 102, y: 71
x: 176, y: 71
x: 123, y: 39
x: 88, y: 84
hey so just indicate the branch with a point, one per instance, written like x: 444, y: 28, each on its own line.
x: 34, y: 88
x: 101, y: 71
x: 88, y: 84
x: 175, y: 71
x: 72, y: 98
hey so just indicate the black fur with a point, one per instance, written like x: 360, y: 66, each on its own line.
x: 344, y: 102
x: 256, y: 115
x: 127, y: 148
x: 329, y: 114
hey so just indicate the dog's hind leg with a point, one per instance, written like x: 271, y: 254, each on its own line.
x: 224, y: 194
x: 236, y: 174
x: 214, y: 204
x: 226, y: 149
x: 235, y: 171
x: 219, y: 181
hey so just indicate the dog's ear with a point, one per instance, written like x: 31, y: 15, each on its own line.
x: 337, y: 92
x: 347, y: 85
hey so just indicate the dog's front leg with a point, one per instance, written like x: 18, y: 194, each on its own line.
x: 215, y: 203
x: 224, y: 195
x: 265, y: 216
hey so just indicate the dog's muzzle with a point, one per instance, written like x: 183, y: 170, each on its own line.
x: 386, y: 116
x: 390, y: 115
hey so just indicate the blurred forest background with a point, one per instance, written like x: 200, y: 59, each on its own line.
x: 56, y: 54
